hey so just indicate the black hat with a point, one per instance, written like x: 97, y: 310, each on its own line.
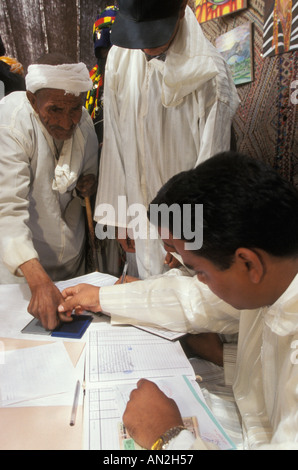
x: 145, y: 24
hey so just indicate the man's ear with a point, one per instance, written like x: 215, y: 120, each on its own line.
x: 33, y: 101
x: 252, y: 262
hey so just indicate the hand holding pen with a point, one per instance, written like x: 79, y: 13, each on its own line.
x: 123, y: 277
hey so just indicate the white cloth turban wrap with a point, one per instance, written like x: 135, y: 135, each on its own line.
x: 73, y: 78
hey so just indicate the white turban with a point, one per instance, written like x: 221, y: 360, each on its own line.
x: 73, y: 78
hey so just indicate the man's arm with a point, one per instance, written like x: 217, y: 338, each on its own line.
x: 151, y: 419
x: 45, y: 295
x: 190, y: 306
x: 16, y: 248
x: 79, y: 298
x: 149, y: 414
x: 16, y: 151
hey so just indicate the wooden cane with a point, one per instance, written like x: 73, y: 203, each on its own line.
x: 91, y: 233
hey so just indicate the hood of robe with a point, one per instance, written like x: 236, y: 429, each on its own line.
x: 191, y: 62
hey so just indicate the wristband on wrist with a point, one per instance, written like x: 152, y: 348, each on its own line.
x: 162, y: 442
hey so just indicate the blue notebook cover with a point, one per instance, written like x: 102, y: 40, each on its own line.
x: 74, y: 329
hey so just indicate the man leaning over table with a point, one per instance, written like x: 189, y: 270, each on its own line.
x: 246, y: 282
x: 169, y: 104
x: 48, y: 161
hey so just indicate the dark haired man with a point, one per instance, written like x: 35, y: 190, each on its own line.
x: 246, y: 281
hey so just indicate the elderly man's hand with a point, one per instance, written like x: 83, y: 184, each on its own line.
x: 44, y: 305
x: 149, y: 414
x: 45, y: 296
x: 86, y: 185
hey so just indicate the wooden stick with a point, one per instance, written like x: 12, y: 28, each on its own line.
x: 91, y: 233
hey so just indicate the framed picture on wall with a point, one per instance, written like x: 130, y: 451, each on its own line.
x: 210, y: 9
x: 280, y: 27
x: 236, y: 48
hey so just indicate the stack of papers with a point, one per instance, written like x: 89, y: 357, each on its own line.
x: 34, y: 373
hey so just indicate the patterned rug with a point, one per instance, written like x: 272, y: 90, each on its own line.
x: 266, y: 123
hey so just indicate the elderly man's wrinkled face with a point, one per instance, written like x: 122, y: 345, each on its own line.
x: 59, y: 112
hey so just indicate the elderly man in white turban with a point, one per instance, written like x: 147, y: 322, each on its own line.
x: 48, y: 162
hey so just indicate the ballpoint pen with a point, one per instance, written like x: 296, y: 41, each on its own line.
x: 75, y: 404
x: 124, y: 272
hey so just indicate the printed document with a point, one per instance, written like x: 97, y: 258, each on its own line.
x: 35, y: 372
x: 116, y: 358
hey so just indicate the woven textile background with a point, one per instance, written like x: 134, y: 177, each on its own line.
x: 266, y: 124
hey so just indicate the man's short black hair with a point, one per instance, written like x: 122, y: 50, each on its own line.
x: 246, y: 204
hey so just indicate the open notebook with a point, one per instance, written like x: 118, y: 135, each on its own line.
x: 116, y: 358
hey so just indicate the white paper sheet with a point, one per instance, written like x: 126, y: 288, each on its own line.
x: 126, y: 353
x: 191, y: 403
x: 104, y: 408
x: 36, y: 372
x: 167, y: 334
x: 14, y: 300
x: 116, y: 357
x: 95, y: 279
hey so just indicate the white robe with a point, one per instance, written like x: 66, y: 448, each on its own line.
x: 37, y: 221
x: 161, y: 118
x: 266, y: 377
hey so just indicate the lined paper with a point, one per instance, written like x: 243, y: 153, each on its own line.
x: 36, y: 372
x: 126, y: 353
